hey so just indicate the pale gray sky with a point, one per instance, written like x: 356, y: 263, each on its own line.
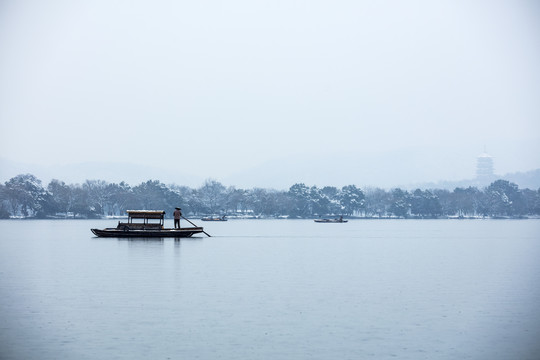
x: 215, y: 88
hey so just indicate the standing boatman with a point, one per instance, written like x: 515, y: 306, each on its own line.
x: 177, y: 215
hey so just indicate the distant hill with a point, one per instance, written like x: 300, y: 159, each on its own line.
x: 111, y: 172
x: 525, y: 180
x: 529, y: 179
x: 364, y: 172
x: 383, y: 170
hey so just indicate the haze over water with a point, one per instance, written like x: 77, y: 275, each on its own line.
x: 273, y: 289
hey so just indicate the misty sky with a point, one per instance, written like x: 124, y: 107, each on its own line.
x: 213, y: 88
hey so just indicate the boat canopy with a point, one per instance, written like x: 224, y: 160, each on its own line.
x: 146, y: 215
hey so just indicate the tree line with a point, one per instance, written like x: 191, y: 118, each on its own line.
x: 24, y: 196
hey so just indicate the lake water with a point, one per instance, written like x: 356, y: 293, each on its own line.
x: 273, y: 289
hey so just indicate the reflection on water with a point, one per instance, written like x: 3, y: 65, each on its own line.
x: 141, y: 240
x: 272, y: 289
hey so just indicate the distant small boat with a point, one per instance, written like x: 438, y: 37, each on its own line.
x: 210, y: 218
x: 146, y: 228
x: 340, y: 220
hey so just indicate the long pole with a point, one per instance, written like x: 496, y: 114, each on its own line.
x: 196, y: 226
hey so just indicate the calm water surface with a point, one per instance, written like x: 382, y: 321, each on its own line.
x: 273, y: 289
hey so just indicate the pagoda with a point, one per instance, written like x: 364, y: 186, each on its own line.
x: 484, y: 166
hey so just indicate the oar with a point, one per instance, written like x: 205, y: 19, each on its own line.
x: 207, y: 234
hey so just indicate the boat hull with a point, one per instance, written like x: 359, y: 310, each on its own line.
x: 161, y: 233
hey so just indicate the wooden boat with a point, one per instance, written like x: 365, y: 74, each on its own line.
x: 146, y: 228
x: 210, y: 218
x: 340, y: 220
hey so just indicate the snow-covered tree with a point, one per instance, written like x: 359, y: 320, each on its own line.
x: 351, y: 199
